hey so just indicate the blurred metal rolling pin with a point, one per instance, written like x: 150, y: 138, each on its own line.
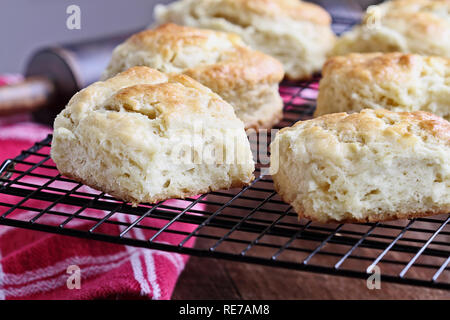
x: 54, y: 74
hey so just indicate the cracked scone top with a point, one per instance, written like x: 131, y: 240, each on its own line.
x: 143, y: 136
x: 412, y: 26
x: 297, y: 33
x: 370, y: 166
x: 393, y: 81
x: 246, y: 78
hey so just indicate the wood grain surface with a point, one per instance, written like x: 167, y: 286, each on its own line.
x: 206, y: 278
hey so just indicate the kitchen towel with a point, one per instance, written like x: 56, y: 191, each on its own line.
x: 38, y: 265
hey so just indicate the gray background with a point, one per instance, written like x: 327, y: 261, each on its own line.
x: 26, y: 25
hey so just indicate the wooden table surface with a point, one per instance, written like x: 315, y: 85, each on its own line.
x: 206, y: 278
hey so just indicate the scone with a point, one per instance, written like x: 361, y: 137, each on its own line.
x: 245, y: 78
x: 364, y: 167
x: 143, y: 136
x: 297, y: 33
x: 394, y: 81
x: 411, y: 26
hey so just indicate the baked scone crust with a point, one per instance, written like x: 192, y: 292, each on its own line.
x: 127, y: 136
x: 297, y: 10
x: 393, y: 81
x: 246, y: 78
x: 411, y: 26
x: 297, y: 33
x: 375, y: 165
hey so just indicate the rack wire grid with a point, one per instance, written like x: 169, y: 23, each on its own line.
x: 248, y: 225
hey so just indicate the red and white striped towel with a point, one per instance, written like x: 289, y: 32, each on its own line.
x: 35, y: 265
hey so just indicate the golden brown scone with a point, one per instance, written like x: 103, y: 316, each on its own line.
x: 364, y: 167
x: 143, y: 136
x: 245, y: 78
x: 393, y: 81
x: 411, y: 26
x: 297, y: 33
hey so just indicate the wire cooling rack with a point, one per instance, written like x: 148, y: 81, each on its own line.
x: 247, y: 225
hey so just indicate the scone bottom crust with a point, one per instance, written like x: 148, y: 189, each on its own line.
x: 154, y: 200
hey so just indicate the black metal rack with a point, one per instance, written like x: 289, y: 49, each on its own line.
x: 247, y: 225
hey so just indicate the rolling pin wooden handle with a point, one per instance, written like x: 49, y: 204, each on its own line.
x: 29, y: 95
